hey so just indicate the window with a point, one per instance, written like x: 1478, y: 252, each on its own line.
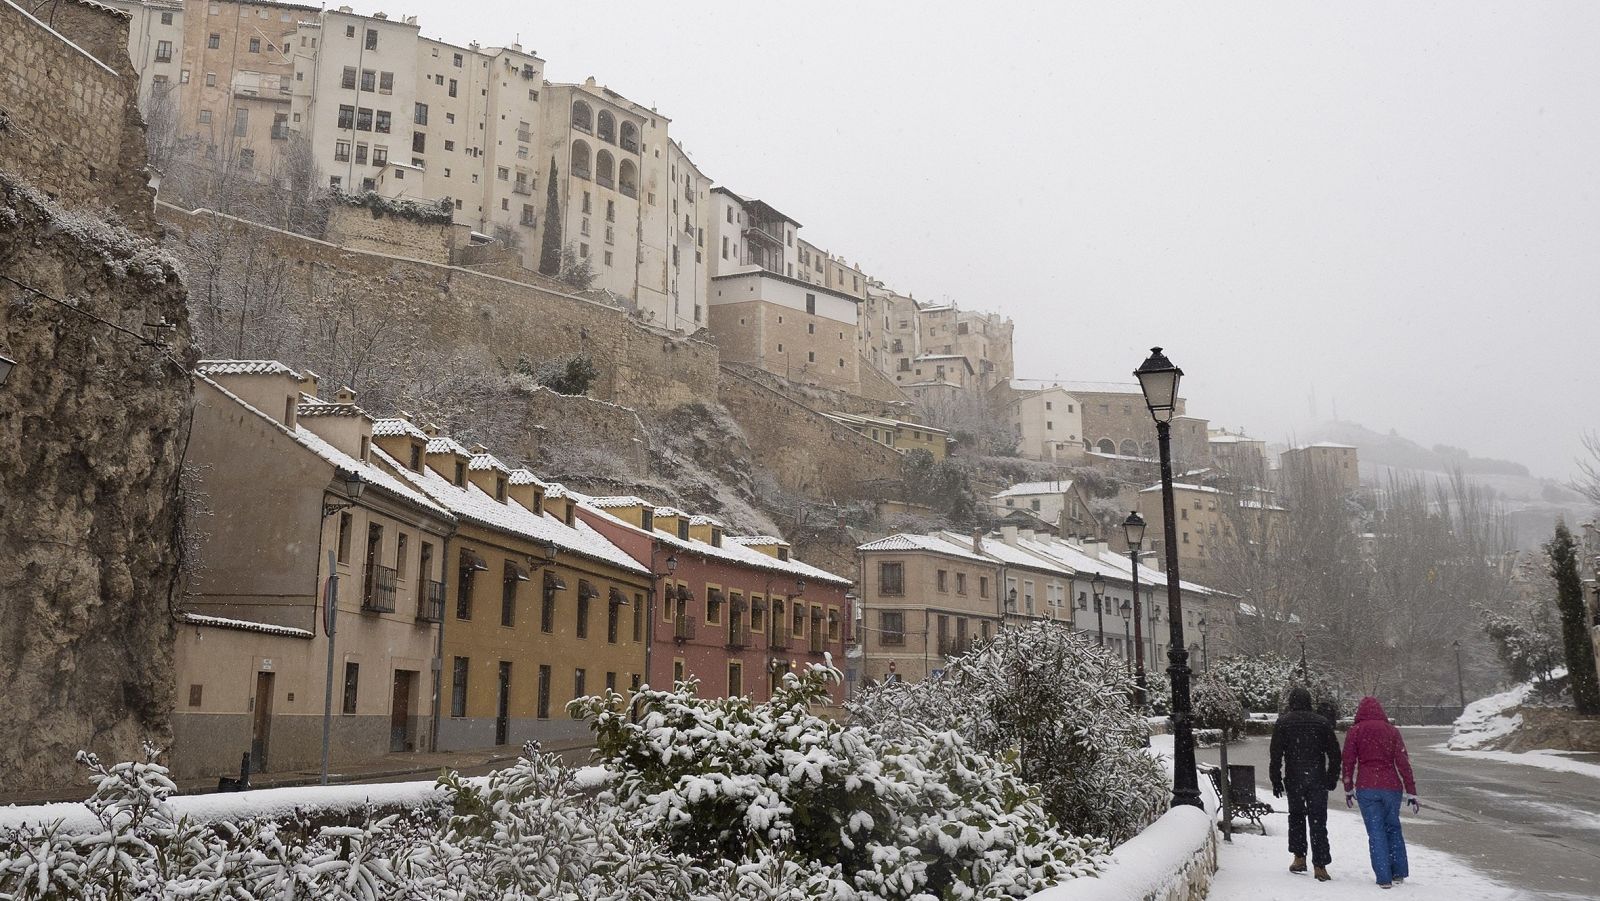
x: 372, y: 38
x: 420, y: 115
x: 363, y: 119
x: 383, y: 121
x: 892, y: 627
x: 457, y: 60
x: 677, y: 671
x: 961, y: 583
x: 164, y: 49
x: 713, y: 605
x: 942, y: 578
x: 543, y: 711
x: 255, y: 45
x: 419, y: 142
x: 361, y: 154
x: 579, y: 678
x: 811, y: 303
x: 638, y: 617
x: 214, y: 42
x: 584, y: 593
x: 452, y: 87
x: 247, y: 159
x: 891, y: 578
x: 799, y: 620
x: 458, y: 687
x: 345, y: 528
x: 386, y: 82
x: 241, y: 122
x: 735, y: 679
x: 607, y: 256
x: 352, y: 676
x: 347, y: 116
x: 380, y: 156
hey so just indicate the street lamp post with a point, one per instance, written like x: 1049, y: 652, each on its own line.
x: 1158, y: 380
x: 1133, y: 531
x: 1461, y: 685
x: 1127, y: 639
x: 1098, y: 586
x: 1205, y: 652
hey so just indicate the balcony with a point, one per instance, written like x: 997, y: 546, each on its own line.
x: 818, y: 644
x: 779, y: 640
x: 430, y: 607
x: 604, y: 181
x: 629, y: 190
x: 630, y: 145
x: 377, y: 589
x: 581, y: 172
x: 524, y: 135
x: 683, y: 628
x: 738, y: 640
x: 522, y: 187
x: 766, y: 230
x: 261, y: 86
x: 529, y: 220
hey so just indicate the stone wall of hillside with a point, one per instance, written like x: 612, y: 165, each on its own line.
x: 92, y: 426
x: 69, y: 114
x: 358, y: 228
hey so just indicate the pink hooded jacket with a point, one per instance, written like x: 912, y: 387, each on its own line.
x: 1375, y: 752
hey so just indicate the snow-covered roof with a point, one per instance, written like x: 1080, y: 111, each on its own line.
x: 700, y: 519
x: 243, y: 625
x: 314, y: 406
x: 1184, y: 486
x: 473, y: 504
x: 484, y: 462
x: 245, y: 367
x: 732, y: 549
x: 342, y: 462
x: 1105, y: 456
x: 1023, y: 489
x: 444, y: 444
x: 995, y: 546
x: 932, y: 543
x: 1236, y: 439
x: 757, y: 540
x: 526, y: 477
x: 620, y: 500
x: 1258, y: 505
x: 394, y: 425
x: 556, y: 490
x: 1078, y: 386
x: 670, y: 511
x: 1328, y: 444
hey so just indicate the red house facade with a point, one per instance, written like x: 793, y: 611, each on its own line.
x: 734, y: 612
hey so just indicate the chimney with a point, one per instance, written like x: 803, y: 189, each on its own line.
x: 431, y: 430
x: 977, y: 541
x: 1008, y: 534
x: 310, y: 380
x: 344, y: 395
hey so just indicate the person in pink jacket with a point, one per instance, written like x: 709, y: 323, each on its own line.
x: 1375, y: 754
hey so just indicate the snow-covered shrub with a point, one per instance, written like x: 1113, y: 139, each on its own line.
x: 1055, y: 702
x: 441, y: 212
x: 1257, y: 679
x: 1216, y: 706
x: 762, y: 794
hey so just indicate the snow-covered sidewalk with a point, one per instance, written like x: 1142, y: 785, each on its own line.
x: 1558, y: 761
x: 1256, y: 867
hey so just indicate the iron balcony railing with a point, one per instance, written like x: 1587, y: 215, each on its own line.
x: 737, y: 638
x: 683, y: 628
x: 629, y: 190
x: 779, y: 640
x: 377, y: 595
x: 604, y: 181
x: 630, y: 145
x: 430, y: 607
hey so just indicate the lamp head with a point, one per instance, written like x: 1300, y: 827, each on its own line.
x: 354, y: 485
x: 1158, y: 379
x: 1098, y: 585
x: 1133, y: 530
x: 672, y: 563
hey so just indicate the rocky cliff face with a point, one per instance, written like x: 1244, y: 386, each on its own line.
x: 92, y: 425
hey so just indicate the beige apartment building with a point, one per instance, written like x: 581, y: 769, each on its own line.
x: 1202, y: 523
x: 690, y: 211
x: 1242, y: 458
x: 276, y: 469
x: 155, y: 47
x: 984, y: 339
x: 1325, y: 461
x: 1060, y: 502
x: 1048, y: 425
x: 924, y: 597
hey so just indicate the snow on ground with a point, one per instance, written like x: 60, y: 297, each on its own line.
x: 1544, y: 759
x: 1486, y: 719
x: 1256, y: 867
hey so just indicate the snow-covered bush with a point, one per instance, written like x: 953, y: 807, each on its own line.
x: 1257, y: 679
x: 771, y: 794
x: 1055, y: 702
x: 441, y: 212
x: 1217, y: 706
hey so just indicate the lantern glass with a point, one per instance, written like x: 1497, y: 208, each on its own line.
x: 1098, y: 584
x: 354, y: 486
x: 1133, y: 530
x: 1158, y: 379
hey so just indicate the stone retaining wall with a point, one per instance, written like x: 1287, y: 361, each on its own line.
x: 1173, y: 860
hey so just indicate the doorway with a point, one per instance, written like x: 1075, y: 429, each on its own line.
x: 400, y: 737
x: 502, y: 717
x: 261, y: 723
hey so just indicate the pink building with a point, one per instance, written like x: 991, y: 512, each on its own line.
x: 734, y: 612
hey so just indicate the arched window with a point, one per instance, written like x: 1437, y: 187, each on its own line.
x: 603, y: 169
x: 1106, y: 446
x: 1130, y: 447
x: 580, y: 159
x: 582, y: 117
x: 628, y: 178
x: 605, y: 127
x: 630, y: 137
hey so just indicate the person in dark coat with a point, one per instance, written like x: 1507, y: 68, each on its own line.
x: 1375, y: 755
x: 1305, y: 765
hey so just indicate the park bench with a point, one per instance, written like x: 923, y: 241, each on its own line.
x: 1242, y: 799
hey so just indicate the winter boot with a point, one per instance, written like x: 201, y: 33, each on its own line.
x: 1322, y: 874
x: 1299, y: 865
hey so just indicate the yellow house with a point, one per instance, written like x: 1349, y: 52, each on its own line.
x: 901, y: 435
x: 541, y: 608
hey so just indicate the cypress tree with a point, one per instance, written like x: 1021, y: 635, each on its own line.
x: 550, y: 247
x: 1563, y: 553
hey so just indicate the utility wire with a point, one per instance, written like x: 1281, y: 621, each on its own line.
x: 148, y: 342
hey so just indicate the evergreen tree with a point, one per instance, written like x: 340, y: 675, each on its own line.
x: 1563, y: 553
x: 550, y: 247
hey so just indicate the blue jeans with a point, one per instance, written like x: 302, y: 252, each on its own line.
x: 1380, y: 809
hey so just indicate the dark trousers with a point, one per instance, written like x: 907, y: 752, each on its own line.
x: 1308, y: 806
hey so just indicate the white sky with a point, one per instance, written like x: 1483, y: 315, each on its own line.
x: 1392, y: 205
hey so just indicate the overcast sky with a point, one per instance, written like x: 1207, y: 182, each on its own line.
x: 1391, y: 206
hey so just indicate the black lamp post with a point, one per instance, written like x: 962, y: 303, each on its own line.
x: 1158, y: 379
x: 1098, y: 586
x: 1461, y: 686
x: 1205, y: 652
x: 1127, y: 640
x: 1133, y: 531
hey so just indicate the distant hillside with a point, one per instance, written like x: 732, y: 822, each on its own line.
x: 1532, y: 505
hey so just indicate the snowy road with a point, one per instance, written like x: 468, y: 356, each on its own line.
x: 1535, y: 830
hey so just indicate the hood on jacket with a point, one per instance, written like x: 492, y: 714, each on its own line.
x: 1371, y: 709
x: 1299, y: 698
